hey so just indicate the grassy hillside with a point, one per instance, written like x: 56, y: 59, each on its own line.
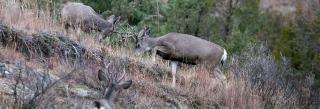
x: 44, y: 66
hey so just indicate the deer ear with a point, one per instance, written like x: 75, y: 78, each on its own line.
x: 125, y: 84
x: 141, y: 34
x: 117, y: 20
x: 146, y: 31
x: 101, y: 75
x: 111, y: 19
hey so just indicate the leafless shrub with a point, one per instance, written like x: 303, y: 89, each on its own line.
x: 31, y: 88
x: 268, y: 79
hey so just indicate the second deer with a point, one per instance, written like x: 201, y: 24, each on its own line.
x: 183, y: 48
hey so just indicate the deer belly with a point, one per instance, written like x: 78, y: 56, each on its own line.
x: 167, y: 56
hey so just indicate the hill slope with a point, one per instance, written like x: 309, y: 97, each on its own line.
x: 44, y: 66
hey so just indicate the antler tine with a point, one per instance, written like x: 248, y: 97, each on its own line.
x: 110, y: 78
x: 114, y: 79
x: 122, y: 76
x: 108, y: 75
x: 106, y: 66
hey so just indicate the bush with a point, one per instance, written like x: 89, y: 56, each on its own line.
x: 269, y: 79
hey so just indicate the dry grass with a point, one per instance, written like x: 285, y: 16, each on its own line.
x: 196, y: 88
x: 29, y: 20
x: 11, y: 56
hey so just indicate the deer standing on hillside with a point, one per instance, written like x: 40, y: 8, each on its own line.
x: 115, y: 85
x: 183, y: 48
x: 83, y: 16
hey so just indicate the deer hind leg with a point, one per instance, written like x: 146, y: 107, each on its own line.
x: 174, y: 66
x: 67, y: 26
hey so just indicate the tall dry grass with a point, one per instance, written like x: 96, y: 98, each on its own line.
x: 15, y: 13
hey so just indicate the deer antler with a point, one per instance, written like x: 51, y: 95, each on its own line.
x: 109, y: 76
x: 123, y: 75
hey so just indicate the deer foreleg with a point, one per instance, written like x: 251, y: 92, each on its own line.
x: 174, y: 66
x: 153, y: 55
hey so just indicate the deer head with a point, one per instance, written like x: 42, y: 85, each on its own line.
x: 115, y: 84
x: 113, y: 20
x: 144, y: 41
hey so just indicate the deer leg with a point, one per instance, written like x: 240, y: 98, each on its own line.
x: 67, y: 26
x: 173, y: 72
x: 153, y: 55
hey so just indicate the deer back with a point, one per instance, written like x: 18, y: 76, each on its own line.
x: 190, y: 48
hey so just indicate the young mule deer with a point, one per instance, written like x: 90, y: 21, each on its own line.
x: 115, y: 84
x: 183, y: 48
x: 83, y: 16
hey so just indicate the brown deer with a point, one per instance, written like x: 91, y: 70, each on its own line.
x: 115, y: 84
x: 83, y: 16
x: 183, y: 48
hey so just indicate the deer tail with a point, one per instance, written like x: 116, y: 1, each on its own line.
x: 223, y: 57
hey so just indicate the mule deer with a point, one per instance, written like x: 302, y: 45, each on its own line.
x: 183, y: 48
x: 115, y: 85
x: 83, y: 16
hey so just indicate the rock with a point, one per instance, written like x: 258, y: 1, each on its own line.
x: 83, y: 91
x: 7, y: 70
x: 6, y: 86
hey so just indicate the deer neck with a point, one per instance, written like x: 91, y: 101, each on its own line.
x: 102, y: 24
x: 153, y: 42
x: 111, y: 93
